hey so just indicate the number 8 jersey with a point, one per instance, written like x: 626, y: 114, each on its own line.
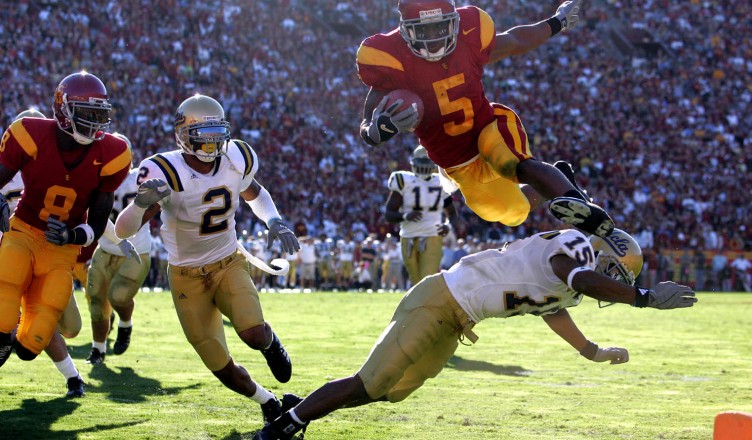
x: 199, y: 215
x: 519, y: 279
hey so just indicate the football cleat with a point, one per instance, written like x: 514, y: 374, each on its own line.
x: 123, y: 340
x: 5, y: 352
x: 271, y: 410
x: 278, y: 360
x: 290, y: 401
x: 75, y: 387
x: 283, y: 428
x: 566, y: 169
x: 583, y: 215
x: 96, y: 357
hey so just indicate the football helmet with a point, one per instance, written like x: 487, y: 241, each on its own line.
x: 81, y: 108
x: 30, y: 113
x: 429, y: 27
x: 618, y: 256
x: 421, y: 164
x: 201, y: 128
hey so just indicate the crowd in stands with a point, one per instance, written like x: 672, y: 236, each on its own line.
x: 660, y: 137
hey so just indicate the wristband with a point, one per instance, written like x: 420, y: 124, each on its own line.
x: 590, y: 350
x: 642, y: 297
x: 82, y: 234
x: 555, y: 25
x: 364, y: 134
x: 574, y: 272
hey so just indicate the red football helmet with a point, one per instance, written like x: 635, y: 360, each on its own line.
x: 429, y: 27
x: 81, y: 107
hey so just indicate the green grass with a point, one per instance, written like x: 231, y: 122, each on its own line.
x: 520, y: 381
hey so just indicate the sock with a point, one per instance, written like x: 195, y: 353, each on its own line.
x: 295, y: 417
x: 125, y: 324
x: 101, y: 346
x: 66, y: 368
x: 262, y: 395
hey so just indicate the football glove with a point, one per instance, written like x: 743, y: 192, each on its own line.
x: 151, y: 192
x: 667, y: 295
x: 57, y: 232
x: 127, y: 248
x: 567, y: 14
x: 4, y: 214
x: 279, y: 230
x: 614, y: 354
x: 582, y: 214
x: 385, y: 123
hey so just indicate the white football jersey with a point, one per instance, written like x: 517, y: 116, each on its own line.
x: 12, y: 191
x: 198, y: 217
x: 422, y: 195
x: 346, y: 250
x: 519, y: 279
x: 124, y: 195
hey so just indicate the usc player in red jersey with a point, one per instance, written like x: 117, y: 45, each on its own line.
x: 70, y: 168
x: 439, y: 52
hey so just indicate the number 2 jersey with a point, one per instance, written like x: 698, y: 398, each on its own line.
x: 51, y: 189
x: 519, y: 279
x: 455, y: 105
x: 199, y: 214
x: 422, y: 195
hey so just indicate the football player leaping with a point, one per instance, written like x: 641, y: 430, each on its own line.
x: 198, y: 187
x: 540, y: 275
x: 481, y: 147
x: 70, y: 168
x: 423, y: 209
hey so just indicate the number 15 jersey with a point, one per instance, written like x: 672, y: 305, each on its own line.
x: 198, y: 217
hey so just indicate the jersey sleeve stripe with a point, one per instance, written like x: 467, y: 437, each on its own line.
x: 514, y: 129
x: 400, y: 182
x: 245, y: 150
x: 173, y: 178
x: 115, y: 165
x: 487, y: 30
x: 24, y: 139
x: 375, y: 57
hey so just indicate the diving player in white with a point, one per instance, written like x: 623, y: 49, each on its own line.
x: 540, y: 275
x: 423, y: 209
x: 116, y: 274
x: 197, y: 187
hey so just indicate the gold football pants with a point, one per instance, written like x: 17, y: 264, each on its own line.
x: 113, y: 280
x: 35, y: 277
x: 422, y: 256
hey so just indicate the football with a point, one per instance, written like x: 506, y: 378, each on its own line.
x: 408, y: 98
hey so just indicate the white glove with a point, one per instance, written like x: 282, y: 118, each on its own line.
x: 127, y: 248
x: 614, y: 354
x: 567, y: 14
x: 385, y: 123
x: 151, y: 192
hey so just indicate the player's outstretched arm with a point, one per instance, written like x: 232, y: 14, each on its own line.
x: 143, y: 208
x: 563, y: 325
x: 263, y: 206
x: 523, y: 39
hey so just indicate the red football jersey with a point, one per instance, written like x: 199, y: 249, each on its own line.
x: 29, y: 145
x: 456, y: 107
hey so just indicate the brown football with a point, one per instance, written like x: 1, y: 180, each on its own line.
x: 408, y: 98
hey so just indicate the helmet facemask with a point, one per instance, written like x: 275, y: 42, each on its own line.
x: 423, y: 167
x: 206, y: 141
x: 433, y: 35
x: 87, y: 120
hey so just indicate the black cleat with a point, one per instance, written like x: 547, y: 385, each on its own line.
x: 123, y: 340
x: 96, y: 357
x: 278, y: 360
x: 568, y: 172
x: 283, y: 428
x: 583, y: 215
x: 75, y: 387
x: 290, y: 401
x: 271, y: 410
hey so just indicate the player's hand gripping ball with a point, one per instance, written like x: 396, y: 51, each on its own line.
x: 409, y: 99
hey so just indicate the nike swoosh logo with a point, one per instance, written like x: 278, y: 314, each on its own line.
x: 465, y: 32
x: 383, y: 127
x: 96, y: 162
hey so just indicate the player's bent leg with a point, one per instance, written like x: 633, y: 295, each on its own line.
x: 123, y: 289
x: 236, y: 378
x: 430, y: 258
x: 58, y: 352
x: 48, y: 295
x: 70, y: 322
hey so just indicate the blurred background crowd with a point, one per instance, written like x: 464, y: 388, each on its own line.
x: 648, y: 99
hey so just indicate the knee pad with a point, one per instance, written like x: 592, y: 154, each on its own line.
x: 24, y: 353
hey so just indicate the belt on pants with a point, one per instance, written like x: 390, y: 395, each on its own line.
x: 205, y: 269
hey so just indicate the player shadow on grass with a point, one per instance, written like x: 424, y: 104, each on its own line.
x: 126, y: 386
x: 460, y: 364
x: 34, y: 419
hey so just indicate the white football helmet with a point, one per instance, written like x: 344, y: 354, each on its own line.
x: 421, y: 164
x: 201, y: 129
x: 618, y: 256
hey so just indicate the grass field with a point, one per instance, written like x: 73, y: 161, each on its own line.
x: 520, y: 381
